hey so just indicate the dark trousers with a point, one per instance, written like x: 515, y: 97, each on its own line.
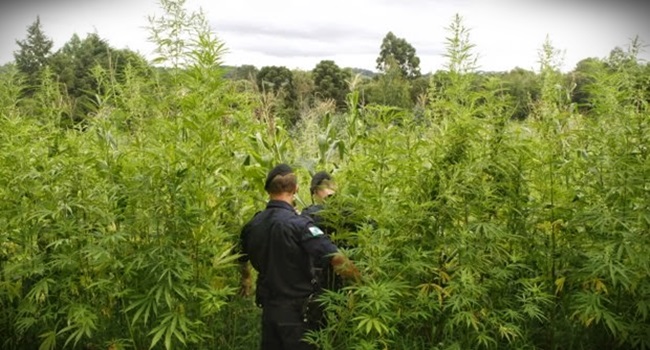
x: 283, y: 326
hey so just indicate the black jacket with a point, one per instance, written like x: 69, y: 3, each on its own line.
x: 283, y: 247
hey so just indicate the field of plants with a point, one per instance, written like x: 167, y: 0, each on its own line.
x: 490, y: 232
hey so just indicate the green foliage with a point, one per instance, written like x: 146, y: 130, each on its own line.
x: 33, y: 55
x: 523, y: 90
x: 277, y: 82
x: 275, y: 79
x: 397, y: 52
x: 473, y: 229
x: 389, y: 89
x: 459, y: 48
x: 117, y: 236
x: 180, y: 36
x: 304, y: 83
x: 77, y: 65
x: 553, y: 94
x: 583, y: 76
x: 244, y: 72
x: 330, y: 82
x: 449, y: 91
x: 10, y: 89
x: 419, y: 88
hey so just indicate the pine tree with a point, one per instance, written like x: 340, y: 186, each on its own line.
x: 34, y: 53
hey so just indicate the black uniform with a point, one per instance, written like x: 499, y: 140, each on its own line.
x: 283, y: 247
x: 312, y: 212
x: 327, y: 277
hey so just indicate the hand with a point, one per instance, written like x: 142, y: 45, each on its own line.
x: 245, y: 288
x: 345, y: 267
x: 246, y: 280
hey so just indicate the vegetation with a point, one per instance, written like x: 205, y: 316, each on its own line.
x: 331, y: 82
x: 397, y: 52
x: 510, y: 210
x: 33, y: 55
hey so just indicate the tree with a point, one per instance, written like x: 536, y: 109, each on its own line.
x: 331, y: 82
x: 34, y: 53
x: 523, y: 89
x: 74, y: 64
x: 583, y: 76
x: 631, y: 79
x: 399, y: 52
x: 390, y: 89
x: 620, y: 59
x: 244, y: 72
x: 419, y: 87
x: 278, y: 80
x: 74, y: 61
x: 304, y: 85
x: 274, y: 79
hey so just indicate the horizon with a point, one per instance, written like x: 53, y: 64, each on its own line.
x: 506, y: 33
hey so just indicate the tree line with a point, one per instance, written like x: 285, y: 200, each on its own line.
x: 292, y: 93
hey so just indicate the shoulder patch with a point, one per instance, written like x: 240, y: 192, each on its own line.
x: 315, y: 231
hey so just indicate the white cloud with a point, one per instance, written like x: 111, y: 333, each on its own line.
x: 298, y: 34
x: 514, y: 31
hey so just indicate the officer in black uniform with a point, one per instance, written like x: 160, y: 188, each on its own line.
x: 284, y: 247
x: 322, y: 187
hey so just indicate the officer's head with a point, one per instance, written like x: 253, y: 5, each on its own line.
x: 322, y: 186
x: 281, y: 180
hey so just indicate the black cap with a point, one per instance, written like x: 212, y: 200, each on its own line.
x: 317, y: 179
x: 280, y: 169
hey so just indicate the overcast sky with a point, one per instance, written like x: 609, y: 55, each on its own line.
x: 299, y: 34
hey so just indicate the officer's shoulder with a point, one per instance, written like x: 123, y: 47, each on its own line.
x: 305, y: 226
x: 301, y: 223
x: 255, y: 216
x: 253, y: 219
x: 311, y: 210
x: 307, y: 211
x: 301, y: 219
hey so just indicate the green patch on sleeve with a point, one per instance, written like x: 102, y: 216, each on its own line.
x: 315, y: 231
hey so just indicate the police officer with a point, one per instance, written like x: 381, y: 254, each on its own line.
x: 283, y: 247
x: 321, y: 187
